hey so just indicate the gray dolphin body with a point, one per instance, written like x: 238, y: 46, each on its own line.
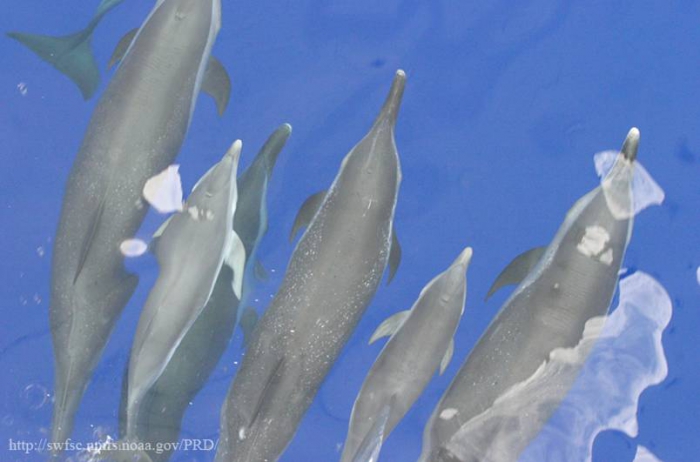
x: 332, y: 276
x: 572, y: 281
x: 194, y: 246
x: 162, y: 408
x: 135, y: 132
x: 421, y: 342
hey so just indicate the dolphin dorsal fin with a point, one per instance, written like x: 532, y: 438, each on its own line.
x: 373, y: 440
x: 268, y: 388
x: 217, y: 84
x: 122, y: 46
x: 390, y: 326
x: 517, y: 269
x: 394, y: 256
x: 306, y: 212
x: 448, y: 356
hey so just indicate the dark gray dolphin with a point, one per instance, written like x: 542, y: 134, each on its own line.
x: 563, y: 286
x: 332, y: 276
x: 195, y: 244
x: 135, y: 132
x: 162, y: 409
x: 421, y: 342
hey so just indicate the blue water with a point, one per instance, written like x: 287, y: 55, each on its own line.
x: 504, y: 108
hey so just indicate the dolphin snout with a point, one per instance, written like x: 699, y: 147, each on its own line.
x: 629, y: 147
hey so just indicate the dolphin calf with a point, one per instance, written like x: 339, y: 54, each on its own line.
x: 561, y: 287
x: 193, y: 247
x: 332, y: 276
x: 136, y: 131
x: 163, y: 407
x: 421, y: 342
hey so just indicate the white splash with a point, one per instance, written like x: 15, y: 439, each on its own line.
x: 626, y: 357
x: 697, y: 274
x: 164, y: 190
x: 645, y: 191
x: 133, y: 247
x: 645, y: 455
x: 594, y: 241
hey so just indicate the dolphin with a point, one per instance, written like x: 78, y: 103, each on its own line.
x: 561, y: 287
x: 163, y: 407
x: 421, y: 342
x: 193, y: 247
x: 136, y: 131
x: 332, y: 276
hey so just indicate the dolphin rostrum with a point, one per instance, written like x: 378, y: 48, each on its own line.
x: 135, y: 132
x: 421, y: 342
x: 561, y: 287
x: 193, y: 247
x: 162, y: 409
x: 332, y: 276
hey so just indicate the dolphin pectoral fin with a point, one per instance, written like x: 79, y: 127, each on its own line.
x: 448, y: 356
x: 71, y: 55
x: 390, y: 326
x: 235, y: 259
x: 249, y: 319
x: 306, y: 212
x: 517, y: 270
x: 260, y: 271
x: 121, y: 47
x: 217, y: 84
x: 159, y: 232
x: 394, y: 256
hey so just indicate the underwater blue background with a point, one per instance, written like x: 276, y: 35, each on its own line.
x: 505, y: 105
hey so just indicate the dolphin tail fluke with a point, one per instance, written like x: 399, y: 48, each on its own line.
x: 71, y: 55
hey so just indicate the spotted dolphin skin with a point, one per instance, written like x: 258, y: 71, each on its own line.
x: 332, y: 276
x: 560, y: 288
x: 163, y: 407
x: 194, y: 246
x: 135, y: 132
x: 421, y: 342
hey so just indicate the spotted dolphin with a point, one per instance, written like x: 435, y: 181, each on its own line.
x: 421, y: 342
x: 332, y: 277
x: 135, y: 132
x: 191, y: 251
x: 162, y: 409
x: 561, y: 287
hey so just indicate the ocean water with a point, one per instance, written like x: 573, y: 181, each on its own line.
x: 504, y: 108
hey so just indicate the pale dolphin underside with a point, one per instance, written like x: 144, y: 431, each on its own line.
x: 571, y: 281
x: 135, y: 132
x: 332, y: 277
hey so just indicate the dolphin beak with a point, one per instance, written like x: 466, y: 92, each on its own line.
x: 390, y: 110
x: 629, y: 147
x: 465, y: 257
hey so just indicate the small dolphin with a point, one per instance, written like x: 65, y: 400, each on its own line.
x: 162, y: 409
x: 193, y: 248
x: 421, y: 342
x: 135, y: 132
x: 332, y: 276
x: 561, y: 287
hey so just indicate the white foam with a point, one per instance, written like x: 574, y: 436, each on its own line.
x: 133, y: 247
x: 616, y: 175
x: 164, y: 190
x: 645, y: 455
x: 626, y: 356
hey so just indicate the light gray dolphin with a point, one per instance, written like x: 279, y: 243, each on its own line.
x: 561, y: 287
x: 163, y: 407
x: 193, y: 247
x: 421, y: 342
x: 332, y: 276
x: 135, y: 132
